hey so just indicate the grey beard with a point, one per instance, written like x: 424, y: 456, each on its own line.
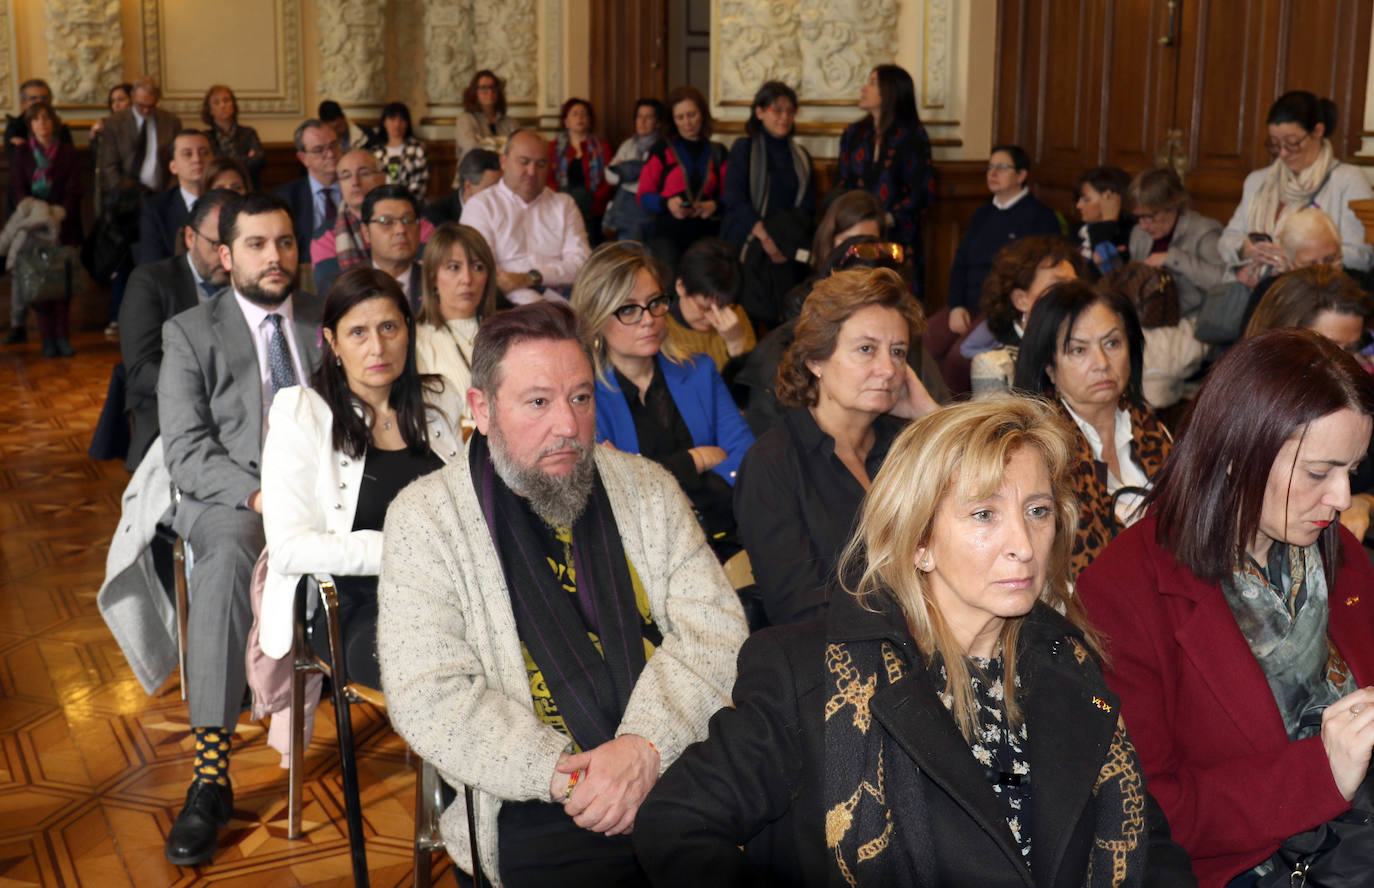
x: 558, y: 500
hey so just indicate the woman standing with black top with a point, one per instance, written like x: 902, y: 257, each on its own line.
x: 888, y: 153
x: 682, y: 180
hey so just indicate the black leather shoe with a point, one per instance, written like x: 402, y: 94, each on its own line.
x: 195, y: 833
x: 16, y: 335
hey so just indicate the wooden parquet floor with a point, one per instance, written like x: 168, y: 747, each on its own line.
x: 92, y: 770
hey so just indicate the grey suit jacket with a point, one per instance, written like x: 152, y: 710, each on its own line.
x: 117, y: 159
x: 1193, y: 258
x: 209, y: 395
x: 156, y: 292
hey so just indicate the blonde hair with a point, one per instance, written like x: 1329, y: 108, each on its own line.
x: 961, y: 451
x: 604, y: 285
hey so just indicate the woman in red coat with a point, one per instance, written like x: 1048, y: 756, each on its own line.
x: 1239, y: 614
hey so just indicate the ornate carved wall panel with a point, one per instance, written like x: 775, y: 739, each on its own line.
x: 405, y: 68
x: 510, y: 45
x: 352, y: 51
x: 822, y: 48
x: 449, y: 61
x: 85, y: 47
x: 553, y: 55
x: 9, y: 81
x: 935, y: 68
x: 186, y: 56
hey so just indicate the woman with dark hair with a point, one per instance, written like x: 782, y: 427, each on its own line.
x: 219, y: 111
x: 578, y: 162
x: 459, y: 276
x: 1238, y: 612
x: 625, y: 217
x: 852, y: 214
x: 336, y: 454
x: 1084, y: 348
x: 120, y: 96
x: 1305, y: 173
x: 769, y: 202
x: 224, y: 172
x: 888, y: 153
x: 400, y: 155
x: 1104, y: 237
x: 483, y: 122
x: 1171, y: 235
x: 946, y: 723
x: 46, y: 168
x: 849, y: 391
x: 1022, y: 272
x: 682, y: 179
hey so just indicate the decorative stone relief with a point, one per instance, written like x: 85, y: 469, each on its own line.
x: 822, y: 48
x: 841, y: 41
x: 8, y: 85
x: 756, y: 41
x: 352, y: 51
x: 85, y: 49
x: 935, y: 77
x: 449, y: 62
x: 405, y: 68
x: 553, y: 54
x: 510, y: 45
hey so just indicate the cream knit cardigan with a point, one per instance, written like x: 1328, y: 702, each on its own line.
x: 452, y: 668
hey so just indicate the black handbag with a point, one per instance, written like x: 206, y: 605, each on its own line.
x: 1337, y: 854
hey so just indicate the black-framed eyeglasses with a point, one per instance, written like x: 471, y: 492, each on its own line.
x: 630, y: 314
x: 333, y: 147
x: 205, y: 237
x: 1292, y: 146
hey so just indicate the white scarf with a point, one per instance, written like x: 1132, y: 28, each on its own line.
x: 1284, y: 192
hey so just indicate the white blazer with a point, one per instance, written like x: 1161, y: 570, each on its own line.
x: 309, y: 498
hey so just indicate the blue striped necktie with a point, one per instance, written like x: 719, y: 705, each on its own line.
x: 279, y: 357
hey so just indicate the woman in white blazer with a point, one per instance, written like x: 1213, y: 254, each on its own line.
x: 338, y: 452
x: 459, y: 293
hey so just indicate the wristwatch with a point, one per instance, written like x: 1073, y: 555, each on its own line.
x: 536, y: 279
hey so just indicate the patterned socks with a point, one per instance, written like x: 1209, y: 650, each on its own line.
x: 212, y: 755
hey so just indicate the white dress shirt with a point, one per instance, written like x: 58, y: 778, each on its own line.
x: 147, y: 170
x: 189, y: 199
x: 1011, y: 202
x: 262, y: 328
x: 1132, y: 473
x: 545, y: 234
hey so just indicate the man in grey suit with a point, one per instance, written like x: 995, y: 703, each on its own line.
x: 223, y: 361
x: 137, y: 138
x: 155, y: 293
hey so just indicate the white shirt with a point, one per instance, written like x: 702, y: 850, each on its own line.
x: 1013, y: 202
x: 201, y: 295
x: 1132, y: 474
x: 147, y: 170
x: 545, y: 234
x: 261, y: 328
x: 189, y: 199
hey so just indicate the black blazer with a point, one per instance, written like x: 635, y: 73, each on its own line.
x: 297, y: 195
x: 155, y: 293
x: 758, y: 780
x: 161, y: 218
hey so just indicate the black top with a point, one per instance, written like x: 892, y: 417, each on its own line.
x: 385, y: 472
x: 796, y: 505
x: 665, y: 439
x: 576, y: 179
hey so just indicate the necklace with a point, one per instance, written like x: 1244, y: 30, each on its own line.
x: 458, y: 345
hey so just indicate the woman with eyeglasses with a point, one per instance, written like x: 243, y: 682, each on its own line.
x: 1305, y: 173
x: 1170, y: 234
x: 888, y: 153
x: 849, y: 390
x: 651, y: 397
x: 483, y: 122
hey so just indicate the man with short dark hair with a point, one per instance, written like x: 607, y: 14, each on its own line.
x: 156, y: 292
x: 479, y: 170
x: 223, y: 362
x: 553, y: 628
x: 314, y: 198
x: 136, y: 138
x: 392, y: 216
x: 351, y: 135
x: 536, y: 235
x: 159, y: 223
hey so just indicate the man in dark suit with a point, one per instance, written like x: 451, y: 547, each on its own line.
x: 164, y: 214
x: 314, y: 198
x: 391, y: 215
x: 223, y: 362
x: 155, y: 293
x: 136, y: 138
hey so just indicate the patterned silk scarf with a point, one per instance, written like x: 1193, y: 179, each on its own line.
x: 43, y: 158
x: 1283, y: 192
x: 591, y: 149
x: 350, y: 239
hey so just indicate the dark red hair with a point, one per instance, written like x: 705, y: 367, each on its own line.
x: 573, y: 103
x: 1208, y: 497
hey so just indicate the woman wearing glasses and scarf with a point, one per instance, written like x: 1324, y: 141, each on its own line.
x: 1305, y: 173
x: 850, y: 390
x: 651, y: 397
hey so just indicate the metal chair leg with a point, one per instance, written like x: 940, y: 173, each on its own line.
x: 427, y: 803
x: 301, y: 666
x: 329, y: 599
x: 180, y: 570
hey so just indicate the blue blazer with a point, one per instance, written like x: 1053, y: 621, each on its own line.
x: 702, y: 399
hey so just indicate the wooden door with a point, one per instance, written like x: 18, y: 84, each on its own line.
x: 628, y: 49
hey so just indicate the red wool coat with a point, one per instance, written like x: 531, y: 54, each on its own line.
x: 1198, y: 707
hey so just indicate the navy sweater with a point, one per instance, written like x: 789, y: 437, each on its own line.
x: 991, y: 230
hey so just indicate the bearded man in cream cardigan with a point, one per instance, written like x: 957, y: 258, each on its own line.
x: 553, y: 628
